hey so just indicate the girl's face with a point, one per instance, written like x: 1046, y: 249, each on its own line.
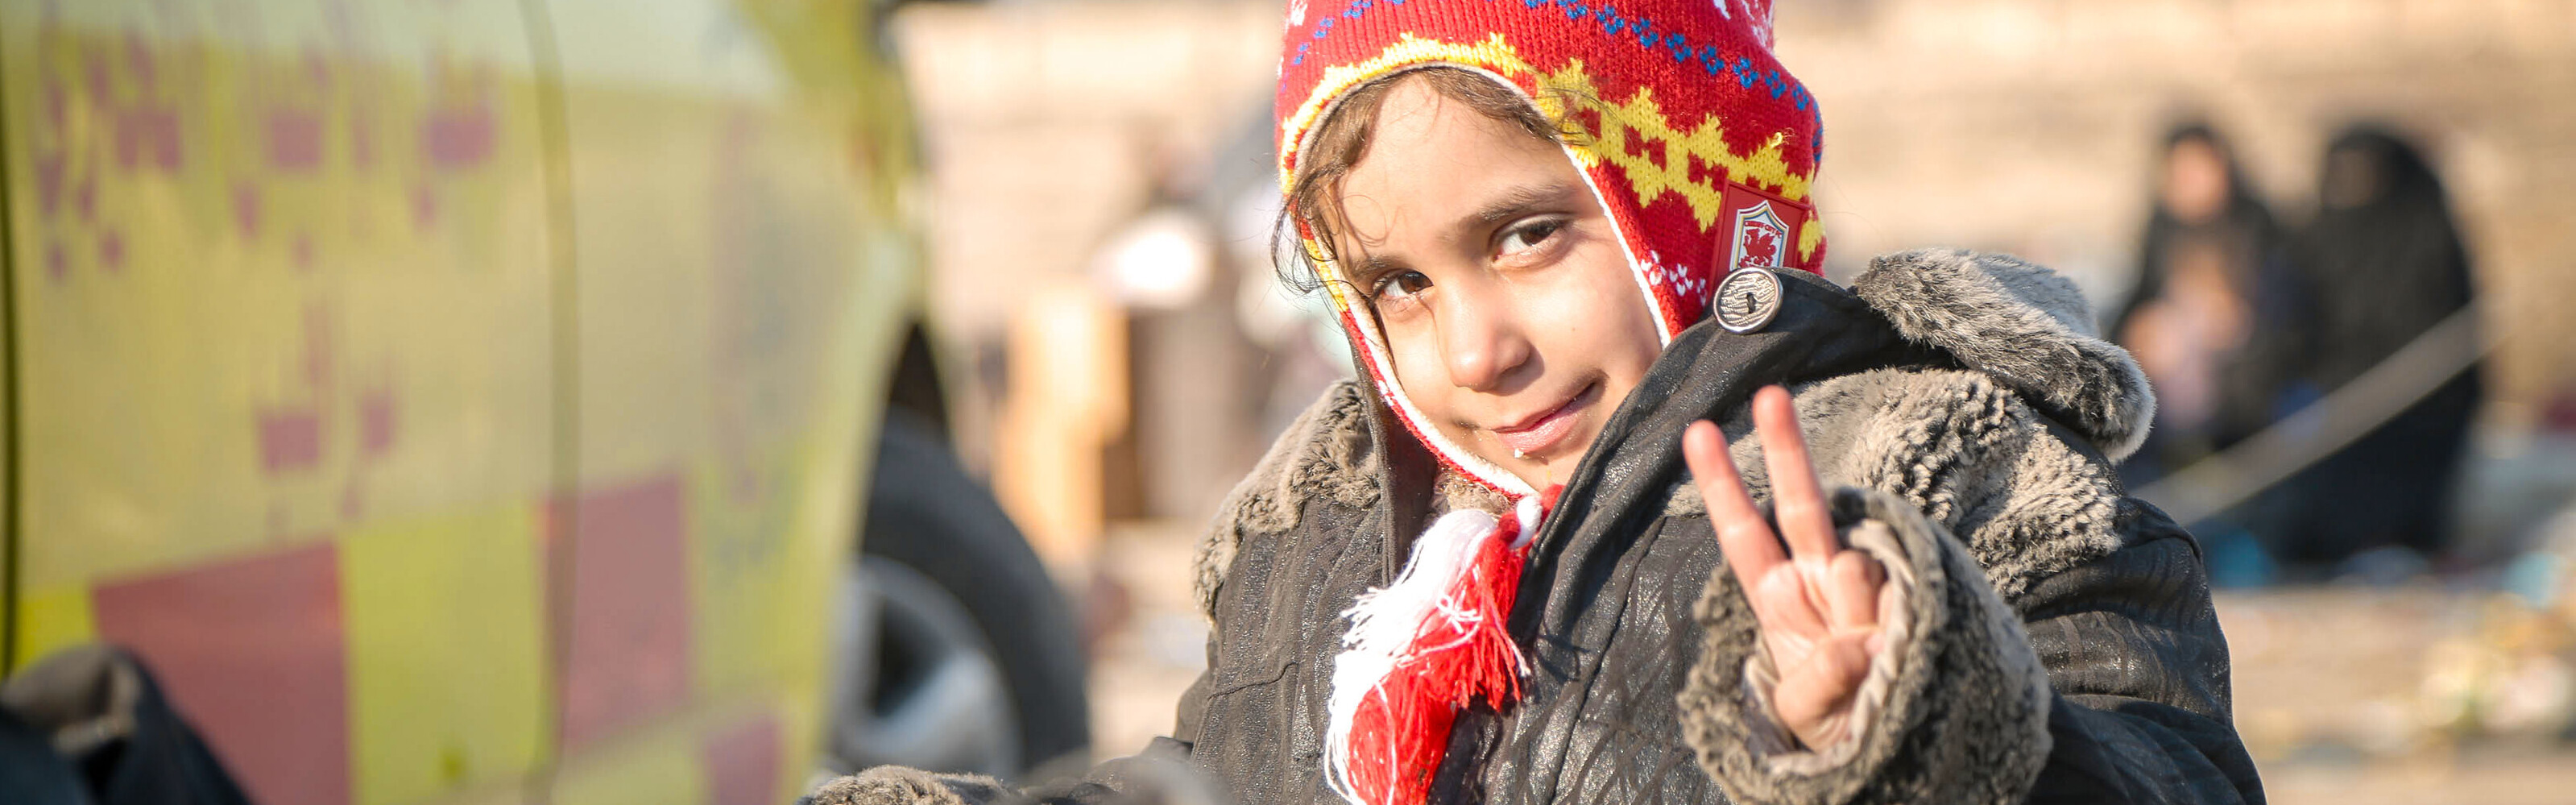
x: 1511, y: 316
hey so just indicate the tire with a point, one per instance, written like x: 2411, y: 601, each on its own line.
x: 960, y: 654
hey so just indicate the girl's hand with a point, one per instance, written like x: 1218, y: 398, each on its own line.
x: 1817, y: 602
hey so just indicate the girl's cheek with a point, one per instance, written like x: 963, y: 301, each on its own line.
x: 1412, y: 337
x: 1592, y: 287
x: 1602, y: 313
x: 1408, y: 310
x: 1418, y: 367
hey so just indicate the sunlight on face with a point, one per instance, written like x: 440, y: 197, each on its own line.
x: 1513, y: 320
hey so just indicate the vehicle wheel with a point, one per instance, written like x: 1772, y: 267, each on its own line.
x: 960, y: 655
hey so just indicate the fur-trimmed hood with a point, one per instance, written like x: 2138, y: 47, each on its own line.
x: 2024, y: 324
x: 2007, y: 322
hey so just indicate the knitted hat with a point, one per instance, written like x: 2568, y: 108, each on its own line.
x: 1702, y: 151
x: 1700, y: 147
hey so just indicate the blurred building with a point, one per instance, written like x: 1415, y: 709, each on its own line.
x: 2019, y: 125
x: 1054, y: 130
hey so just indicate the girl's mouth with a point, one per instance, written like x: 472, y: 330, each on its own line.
x: 1536, y: 434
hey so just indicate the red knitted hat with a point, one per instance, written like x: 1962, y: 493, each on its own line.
x: 1701, y: 148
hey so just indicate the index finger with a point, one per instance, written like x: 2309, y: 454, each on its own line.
x: 1742, y: 537
x: 1797, y: 498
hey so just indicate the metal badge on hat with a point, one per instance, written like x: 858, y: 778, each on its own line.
x: 1747, y: 299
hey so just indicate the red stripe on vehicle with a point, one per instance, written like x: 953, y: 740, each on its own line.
x: 742, y: 763
x: 252, y: 652
x: 627, y: 655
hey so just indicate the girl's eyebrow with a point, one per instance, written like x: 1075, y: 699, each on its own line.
x: 1520, y: 201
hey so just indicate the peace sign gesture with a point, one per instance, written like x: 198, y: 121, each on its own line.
x: 1817, y: 601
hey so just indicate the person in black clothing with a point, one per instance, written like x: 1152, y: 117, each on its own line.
x: 2209, y: 270
x: 2386, y: 263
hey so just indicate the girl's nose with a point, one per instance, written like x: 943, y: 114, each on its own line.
x: 1481, y: 342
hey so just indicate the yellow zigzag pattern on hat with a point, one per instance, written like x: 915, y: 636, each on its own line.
x: 1641, y: 117
x: 1640, y: 114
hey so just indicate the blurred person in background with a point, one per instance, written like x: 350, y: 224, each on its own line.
x: 1572, y: 248
x: 2387, y: 264
x: 2216, y: 317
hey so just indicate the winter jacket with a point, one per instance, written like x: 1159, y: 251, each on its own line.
x: 2054, y: 639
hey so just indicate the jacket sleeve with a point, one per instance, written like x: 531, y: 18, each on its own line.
x: 2140, y: 677
x: 1263, y: 503
x: 2108, y: 683
x: 1161, y: 774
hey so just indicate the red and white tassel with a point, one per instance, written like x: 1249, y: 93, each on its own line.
x: 1422, y: 649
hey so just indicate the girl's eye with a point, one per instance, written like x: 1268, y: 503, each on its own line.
x: 1528, y: 236
x: 1400, y: 285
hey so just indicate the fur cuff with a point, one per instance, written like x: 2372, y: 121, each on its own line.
x: 1962, y: 713
x: 897, y: 785
x: 1773, y: 741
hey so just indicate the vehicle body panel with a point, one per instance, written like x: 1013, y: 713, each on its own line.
x: 453, y: 401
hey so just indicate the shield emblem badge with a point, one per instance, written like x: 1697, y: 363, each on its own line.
x: 1760, y: 238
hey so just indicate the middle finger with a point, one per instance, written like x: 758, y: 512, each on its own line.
x: 1797, y: 498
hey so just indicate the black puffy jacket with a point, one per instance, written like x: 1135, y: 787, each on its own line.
x: 2058, y: 641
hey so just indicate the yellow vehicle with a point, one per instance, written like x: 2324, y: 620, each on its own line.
x: 475, y: 400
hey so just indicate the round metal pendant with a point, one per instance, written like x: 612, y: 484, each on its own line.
x: 1747, y: 300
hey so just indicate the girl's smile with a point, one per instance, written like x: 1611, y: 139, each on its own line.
x: 1532, y: 436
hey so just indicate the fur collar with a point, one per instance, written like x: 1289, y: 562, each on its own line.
x: 2020, y: 324
x: 2023, y: 324
x: 1326, y: 452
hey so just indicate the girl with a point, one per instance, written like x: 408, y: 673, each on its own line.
x: 1535, y: 554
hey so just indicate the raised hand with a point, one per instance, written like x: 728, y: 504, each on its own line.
x: 1817, y: 600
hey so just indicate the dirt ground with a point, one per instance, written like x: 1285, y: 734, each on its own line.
x: 2330, y: 686
x: 2338, y: 694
